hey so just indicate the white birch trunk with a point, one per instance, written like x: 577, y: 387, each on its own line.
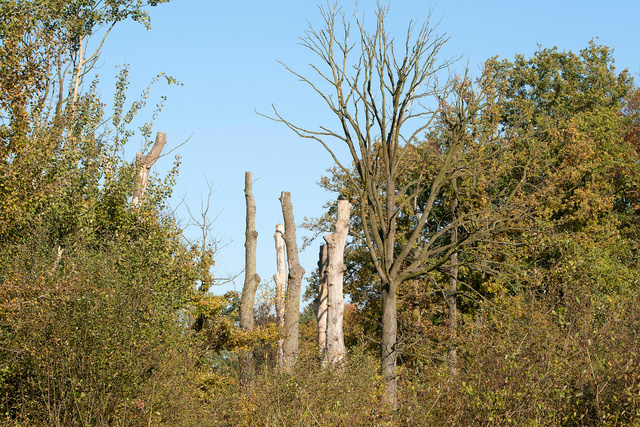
x: 78, y: 74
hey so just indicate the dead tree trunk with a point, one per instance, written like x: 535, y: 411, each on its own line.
x: 320, y: 303
x: 144, y: 164
x: 292, y: 301
x: 334, y: 280
x: 251, y: 280
x: 280, y: 279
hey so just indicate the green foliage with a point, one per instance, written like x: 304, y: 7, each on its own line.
x: 91, y: 289
x: 567, y: 109
x: 554, y: 349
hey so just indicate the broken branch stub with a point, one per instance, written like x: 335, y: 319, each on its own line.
x: 144, y: 164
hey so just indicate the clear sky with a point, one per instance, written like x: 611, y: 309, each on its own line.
x: 226, y: 55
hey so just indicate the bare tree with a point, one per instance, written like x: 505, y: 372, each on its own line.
x: 251, y: 279
x: 280, y: 279
x: 385, y: 98
x: 207, y: 246
x: 292, y: 299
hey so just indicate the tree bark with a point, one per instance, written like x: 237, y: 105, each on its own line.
x: 280, y: 279
x: 78, y: 72
x: 320, y: 303
x: 388, y: 356
x: 144, y: 164
x: 251, y: 281
x: 334, y: 281
x: 292, y: 300
x: 452, y: 291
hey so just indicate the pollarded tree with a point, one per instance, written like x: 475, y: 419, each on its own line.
x: 280, y: 279
x: 251, y: 280
x: 292, y: 294
x: 329, y: 302
x: 384, y: 100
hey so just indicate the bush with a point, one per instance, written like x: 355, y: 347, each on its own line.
x: 349, y: 395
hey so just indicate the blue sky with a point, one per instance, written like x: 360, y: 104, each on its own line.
x: 226, y: 55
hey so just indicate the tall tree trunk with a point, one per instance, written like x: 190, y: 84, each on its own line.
x: 320, y: 303
x: 292, y: 300
x: 280, y: 279
x: 144, y: 164
x: 453, y: 290
x: 334, y: 281
x: 251, y: 281
x: 453, y: 315
x: 389, y: 356
x: 78, y: 72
